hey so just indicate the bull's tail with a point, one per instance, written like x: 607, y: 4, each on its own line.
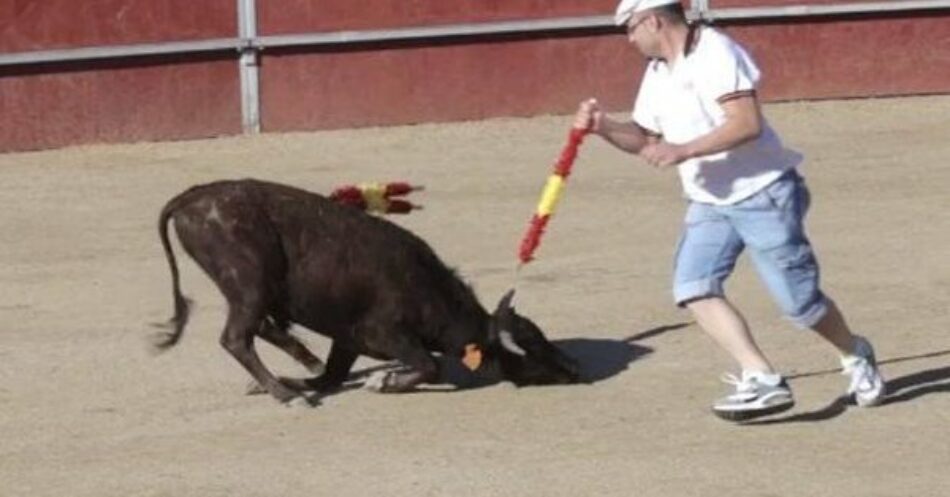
x: 175, y: 325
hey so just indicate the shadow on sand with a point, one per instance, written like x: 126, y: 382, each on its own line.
x: 603, y: 358
x: 599, y: 359
x: 900, y: 389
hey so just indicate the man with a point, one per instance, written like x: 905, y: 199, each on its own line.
x: 697, y: 109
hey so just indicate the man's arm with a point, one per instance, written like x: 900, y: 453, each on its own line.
x: 743, y: 123
x: 627, y: 136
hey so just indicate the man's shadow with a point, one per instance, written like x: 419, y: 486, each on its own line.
x: 900, y: 389
x: 911, y: 386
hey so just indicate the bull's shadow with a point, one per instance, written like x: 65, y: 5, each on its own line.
x: 599, y: 359
x: 603, y: 358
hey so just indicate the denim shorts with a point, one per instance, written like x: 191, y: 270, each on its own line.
x: 770, y: 225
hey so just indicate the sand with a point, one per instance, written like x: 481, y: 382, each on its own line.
x: 85, y: 410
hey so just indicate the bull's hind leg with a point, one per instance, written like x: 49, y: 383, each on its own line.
x: 283, y: 340
x: 233, y: 240
x: 339, y: 363
x: 238, y: 339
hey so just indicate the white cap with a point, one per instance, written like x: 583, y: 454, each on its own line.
x: 626, y: 8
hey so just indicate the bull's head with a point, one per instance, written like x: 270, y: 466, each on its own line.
x: 524, y: 355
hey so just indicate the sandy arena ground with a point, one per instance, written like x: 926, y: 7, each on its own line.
x: 85, y: 410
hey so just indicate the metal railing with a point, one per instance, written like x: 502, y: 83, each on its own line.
x: 743, y: 13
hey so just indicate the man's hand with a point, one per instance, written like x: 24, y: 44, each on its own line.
x: 664, y: 154
x: 589, y: 116
x: 625, y: 135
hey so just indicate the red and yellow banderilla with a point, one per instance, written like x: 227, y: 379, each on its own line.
x: 550, y: 195
x: 377, y: 197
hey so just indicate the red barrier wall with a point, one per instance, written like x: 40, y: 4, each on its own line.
x: 851, y: 58
x: 375, y: 84
x: 804, y: 59
x: 294, y: 16
x: 53, y: 105
x: 162, y: 101
x: 442, y: 83
x: 462, y: 79
x: 722, y: 4
x: 49, y: 24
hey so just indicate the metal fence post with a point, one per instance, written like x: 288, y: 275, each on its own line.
x: 699, y: 8
x: 249, y: 66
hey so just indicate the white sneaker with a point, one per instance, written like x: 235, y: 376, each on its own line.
x: 754, y: 397
x: 867, y: 386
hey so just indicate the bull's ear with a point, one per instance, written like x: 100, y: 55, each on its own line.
x: 502, y: 319
x: 504, y: 313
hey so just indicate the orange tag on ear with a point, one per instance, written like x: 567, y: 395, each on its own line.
x: 473, y: 356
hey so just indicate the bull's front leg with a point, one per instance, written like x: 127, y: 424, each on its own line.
x: 282, y: 339
x: 398, y: 381
x: 420, y: 368
x: 339, y: 363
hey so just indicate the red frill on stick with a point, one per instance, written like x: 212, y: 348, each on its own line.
x: 358, y: 197
x: 562, y: 168
x: 349, y: 195
x: 566, y: 161
x: 398, y: 188
x: 532, y: 238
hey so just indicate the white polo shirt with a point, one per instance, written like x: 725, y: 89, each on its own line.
x: 682, y: 102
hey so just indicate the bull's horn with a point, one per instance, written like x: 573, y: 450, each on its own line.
x: 508, y: 342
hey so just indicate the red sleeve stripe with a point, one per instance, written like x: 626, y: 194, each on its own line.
x: 734, y: 95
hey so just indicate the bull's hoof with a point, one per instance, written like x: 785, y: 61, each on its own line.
x: 298, y: 402
x: 159, y: 342
x: 378, y: 381
x: 254, y: 388
x: 294, y: 384
x: 317, y: 368
x: 322, y: 384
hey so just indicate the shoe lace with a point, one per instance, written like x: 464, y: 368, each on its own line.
x: 741, y: 385
x: 862, y: 375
